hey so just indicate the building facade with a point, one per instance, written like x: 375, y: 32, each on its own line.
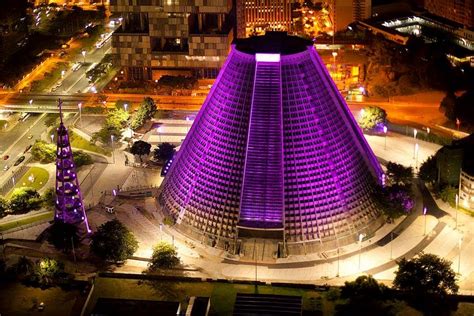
x: 274, y: 153
x: 466, y: 190
x: 345, y: 12
x: 455, y: 10
x: 182, y: 37
x: 254, y: 17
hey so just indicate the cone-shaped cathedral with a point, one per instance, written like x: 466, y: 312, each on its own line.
x: 274, y: 153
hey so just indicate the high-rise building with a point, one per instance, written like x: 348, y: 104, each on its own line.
x: 254, y: 17
x: 460, y: 11
x: 344, y: 12
x: 69, y: 206
x: 274, y: 153
x: 172, y: 37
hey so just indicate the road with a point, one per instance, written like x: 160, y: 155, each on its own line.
x: 15, y: 141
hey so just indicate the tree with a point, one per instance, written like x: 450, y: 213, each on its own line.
x: 47, y: 272
x: 146, y: 111
x: 399, y: 175
x: 426, y: 273
x: 448, y: 106
x: 113, y: 242
x: 140, y: 148
x: 24, y: 199
x: 429, y: 170
x: 364, y: 296
x: 164, y: 152
x: 372, y: 117
x: 3, y: 207
x: 63, y: 235
x: 49, y: 198
x: 164, y: 256
x: 81, y: 158
x: 44, y: 152
x: 448, y: 194
x: 115, y: 122
x: 393, y: 201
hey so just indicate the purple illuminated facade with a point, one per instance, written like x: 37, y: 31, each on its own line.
x: 274, y: 153
x: 69, y: 204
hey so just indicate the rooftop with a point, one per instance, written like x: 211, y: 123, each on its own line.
x: 274, y: 43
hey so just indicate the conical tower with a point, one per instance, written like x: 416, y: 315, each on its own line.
x: 274, y: 153
x: 69, y: 204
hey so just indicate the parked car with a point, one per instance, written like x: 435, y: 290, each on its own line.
x: 27, y: 148
x: 19, y: 161
x: 30, y: 136
x: 6, y: 157
x: 6, y: 167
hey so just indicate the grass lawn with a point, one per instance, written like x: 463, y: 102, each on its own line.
x: 26, y: 221
x: 222, y: 294
x: 40, y: 178
x: 18, y: 299
x: 81, y: 143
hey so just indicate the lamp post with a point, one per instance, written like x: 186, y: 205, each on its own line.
x: 52, y: 138
x: 417, y: 149
x: 457, y: 206
x: 158, y: 130
x: 425, y: 210
x: 79, y: 105
x: 125, y: 106
x: 459, y: 261
x: 415, y: 131
x: 112, y: 143
x: 385, y: 129
x: 83, y: 56
x: 334, y: 55
x: 361, y: 236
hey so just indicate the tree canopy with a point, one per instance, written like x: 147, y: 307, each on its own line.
x: 429, y: 170
x: 371, y: 117
x: 140, y: 148
x: 398, y: 174
x: 24, y: 199
x: 164, y: 256
x: 115, y: 122
x: 164, y: 152
x: 113, y: 242
x: 146, y: 111
x: 43, y: 151
x: 426, y: 273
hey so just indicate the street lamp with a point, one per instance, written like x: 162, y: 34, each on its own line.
x: 425, y: 210
x: 52, y: 138
x: 457, y: 206
x: 334, y: 55
x: 361, y: 236
x: 84, y: 56
x: 30, y: 102
x: 459, y: 261
x: 417, y: 149
x: 63, y: 72
x: 385, y: 129
x: 415, y: 131
x: 158, y: 130
x: 125, y: 106
x: 79, y: 105
x: 112, y: 143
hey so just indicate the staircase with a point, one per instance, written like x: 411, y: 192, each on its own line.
x: 262, y: 200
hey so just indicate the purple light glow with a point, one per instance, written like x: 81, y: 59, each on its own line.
x: 274, y: 146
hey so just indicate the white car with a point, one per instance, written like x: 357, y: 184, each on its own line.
x: 76, y: 66
x: 6, y: 167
